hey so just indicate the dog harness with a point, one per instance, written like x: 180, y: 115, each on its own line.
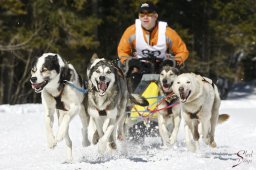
x: 195, y: 114
x: 207, y: 80
x: 170, y: 100
x: 59, y: 104
x: 144, y: 49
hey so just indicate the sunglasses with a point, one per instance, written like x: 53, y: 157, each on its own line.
x: 149, y: 14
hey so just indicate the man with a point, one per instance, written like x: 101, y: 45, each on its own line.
x: 148, y: 38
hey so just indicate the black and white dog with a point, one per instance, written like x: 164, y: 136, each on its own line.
x: 107, y: 101
x: 168, y: 118
x: 48, y: 75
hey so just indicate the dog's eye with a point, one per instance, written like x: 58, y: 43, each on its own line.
x: 44, y: 69
x: 33, y: 70
x: 108, y: 72
x: 188, y: 82
x: 178, y: 82
x: 161, y: 74
x: 97, y: 71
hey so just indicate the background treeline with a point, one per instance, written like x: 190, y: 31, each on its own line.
x: 220, y: 34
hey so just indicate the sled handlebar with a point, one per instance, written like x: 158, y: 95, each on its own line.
x: 152, y: 59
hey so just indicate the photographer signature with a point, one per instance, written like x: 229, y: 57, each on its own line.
x: 244, y: 157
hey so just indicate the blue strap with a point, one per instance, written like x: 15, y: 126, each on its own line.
x: 82, y: 90
x: 153, y: 97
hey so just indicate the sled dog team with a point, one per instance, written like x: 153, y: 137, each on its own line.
x: 101, y: 103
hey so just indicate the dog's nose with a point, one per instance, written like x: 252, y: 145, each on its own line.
x: 102, y: 78
x: 164, y: 81
x: 33, y: 79
x: 181, y: 89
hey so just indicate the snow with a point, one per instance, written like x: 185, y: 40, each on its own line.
x: 23, y: 143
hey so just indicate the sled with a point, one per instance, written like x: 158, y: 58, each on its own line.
x: 143, y: 121
x: 148, y: 88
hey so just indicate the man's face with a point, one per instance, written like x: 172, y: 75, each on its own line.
x: 148, y: 19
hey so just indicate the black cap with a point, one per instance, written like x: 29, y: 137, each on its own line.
x: 147, y: 6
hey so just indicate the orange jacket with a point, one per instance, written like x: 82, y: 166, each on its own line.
x: 173, y: 41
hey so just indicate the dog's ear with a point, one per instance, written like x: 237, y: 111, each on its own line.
x: 65, y: 74
x: 34, y: 61
x: 52, y: 62
x: 94, y: 57
x: 176, y: 71
x: 119, y: 72
x: 168, y: 63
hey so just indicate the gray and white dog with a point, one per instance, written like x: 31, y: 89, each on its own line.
x: 107, y: 101
x: 48, y: 75
x: 169, y: 118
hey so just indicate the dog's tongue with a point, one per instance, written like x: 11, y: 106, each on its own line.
x: 103, y: 86
x: 36, y: 86
x: 165, y: 87
x: 182, y: 96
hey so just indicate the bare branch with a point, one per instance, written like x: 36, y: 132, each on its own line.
x: 19, y: 46
x: 19, y: 56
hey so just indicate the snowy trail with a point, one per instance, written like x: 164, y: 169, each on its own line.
x: 23, y: 144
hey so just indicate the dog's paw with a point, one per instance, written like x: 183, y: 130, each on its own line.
x: 60, y: 137
x: 52, y: 142
x: 213, y: 144
x: 120, y: 137
x: 172, y: 140
x: 113, y: 145
x: 192, y: 147
x: 164, y: 147
x: 166, y: 143
x: 102, y: 146
x: 68, y: 161
x: 207, y: 141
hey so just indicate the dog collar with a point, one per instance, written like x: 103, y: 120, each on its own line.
x: 171, y: 99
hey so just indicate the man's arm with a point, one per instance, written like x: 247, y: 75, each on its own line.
x: 177, y: 46
x: 125, y: 45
